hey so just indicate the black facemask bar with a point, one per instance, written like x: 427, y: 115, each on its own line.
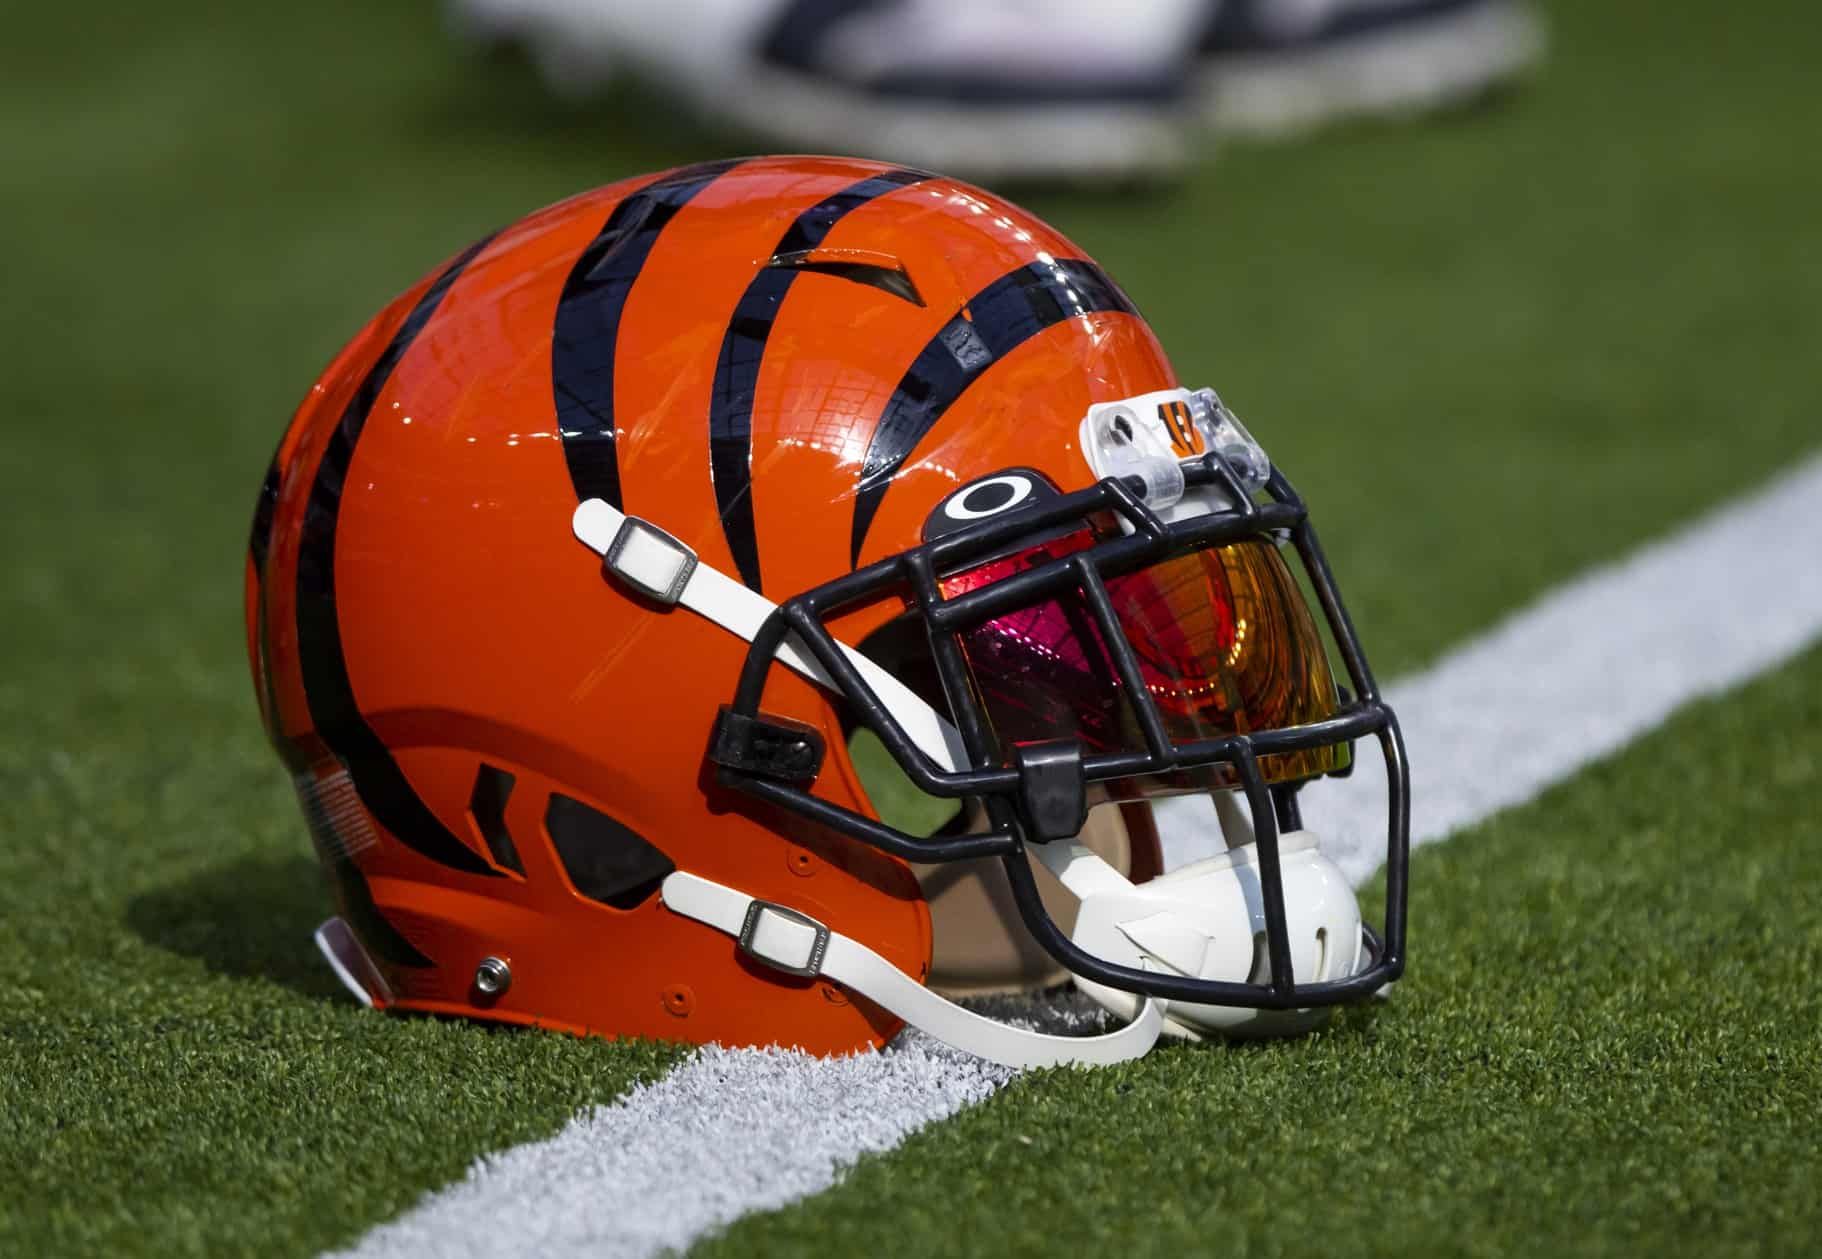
x: 1041, y: 796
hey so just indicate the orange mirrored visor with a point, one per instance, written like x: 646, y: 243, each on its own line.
x: 1225, y: 644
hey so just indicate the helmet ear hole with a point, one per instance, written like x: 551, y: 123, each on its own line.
x: 1261, y: 970
x: 603, y: 859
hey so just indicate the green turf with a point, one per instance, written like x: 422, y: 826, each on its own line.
x: 1606, y: 1045
x: 1493, y: 350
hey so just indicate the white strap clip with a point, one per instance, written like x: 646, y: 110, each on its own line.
x: 784, y: 939
x: 800, y: 945
x: 657, y: 565
x: 650, y: 560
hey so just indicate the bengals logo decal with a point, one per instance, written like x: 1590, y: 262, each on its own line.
x: 1185, y: 437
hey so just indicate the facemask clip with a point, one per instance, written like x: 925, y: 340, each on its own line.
x: 1228, y: 439
x: 1120, y: 445
x: 1052, y: 788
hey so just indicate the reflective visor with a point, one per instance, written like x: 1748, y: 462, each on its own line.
x: 1224, y: 640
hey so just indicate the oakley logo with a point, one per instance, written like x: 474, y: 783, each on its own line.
x: 989, y: 497
x: 1005, y: 490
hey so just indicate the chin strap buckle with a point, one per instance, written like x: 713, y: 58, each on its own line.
x: 650, y: 560
x: 797, y: 944
x: 784, y: 939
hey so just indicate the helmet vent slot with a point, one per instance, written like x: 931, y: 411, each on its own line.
x: 1261, y: 972
x: 487, y: 806
x: 861, y: 266
x: 605, y: 860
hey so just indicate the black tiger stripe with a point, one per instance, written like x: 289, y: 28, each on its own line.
x: 377, y: 778
x: 997, y: 320
x: 259, y: 537
x: 586, y: 332
x: 743, y: 349
x: 259, y: 545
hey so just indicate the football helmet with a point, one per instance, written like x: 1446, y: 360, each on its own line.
x: 759, y: 602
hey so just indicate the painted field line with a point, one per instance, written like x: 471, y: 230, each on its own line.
x: 1591, y: 666
x: 1568, y: 680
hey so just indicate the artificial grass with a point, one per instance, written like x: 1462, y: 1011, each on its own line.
x: 1491, y: 350
x: 195, y: 1123
x: 1605, y: 1045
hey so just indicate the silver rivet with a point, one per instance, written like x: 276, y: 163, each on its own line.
x: 493, y: 976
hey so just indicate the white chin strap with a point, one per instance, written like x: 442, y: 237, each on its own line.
x: 799, y: 945
x: 654, y: 563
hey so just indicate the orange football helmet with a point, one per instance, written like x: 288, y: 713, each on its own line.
x: 716, y: 607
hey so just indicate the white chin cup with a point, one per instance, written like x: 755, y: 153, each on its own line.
x: 1207, y: 920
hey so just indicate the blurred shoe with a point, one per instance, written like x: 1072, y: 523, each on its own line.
x: 571, y: 61
x: 1271, y: 67
x: 995, y: 89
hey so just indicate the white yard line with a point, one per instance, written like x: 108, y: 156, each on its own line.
x: 726, y: 1133
x: 1570, y: 679
x: 1593, y: 665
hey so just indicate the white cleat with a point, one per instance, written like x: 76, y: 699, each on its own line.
x: 1277, y: 67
